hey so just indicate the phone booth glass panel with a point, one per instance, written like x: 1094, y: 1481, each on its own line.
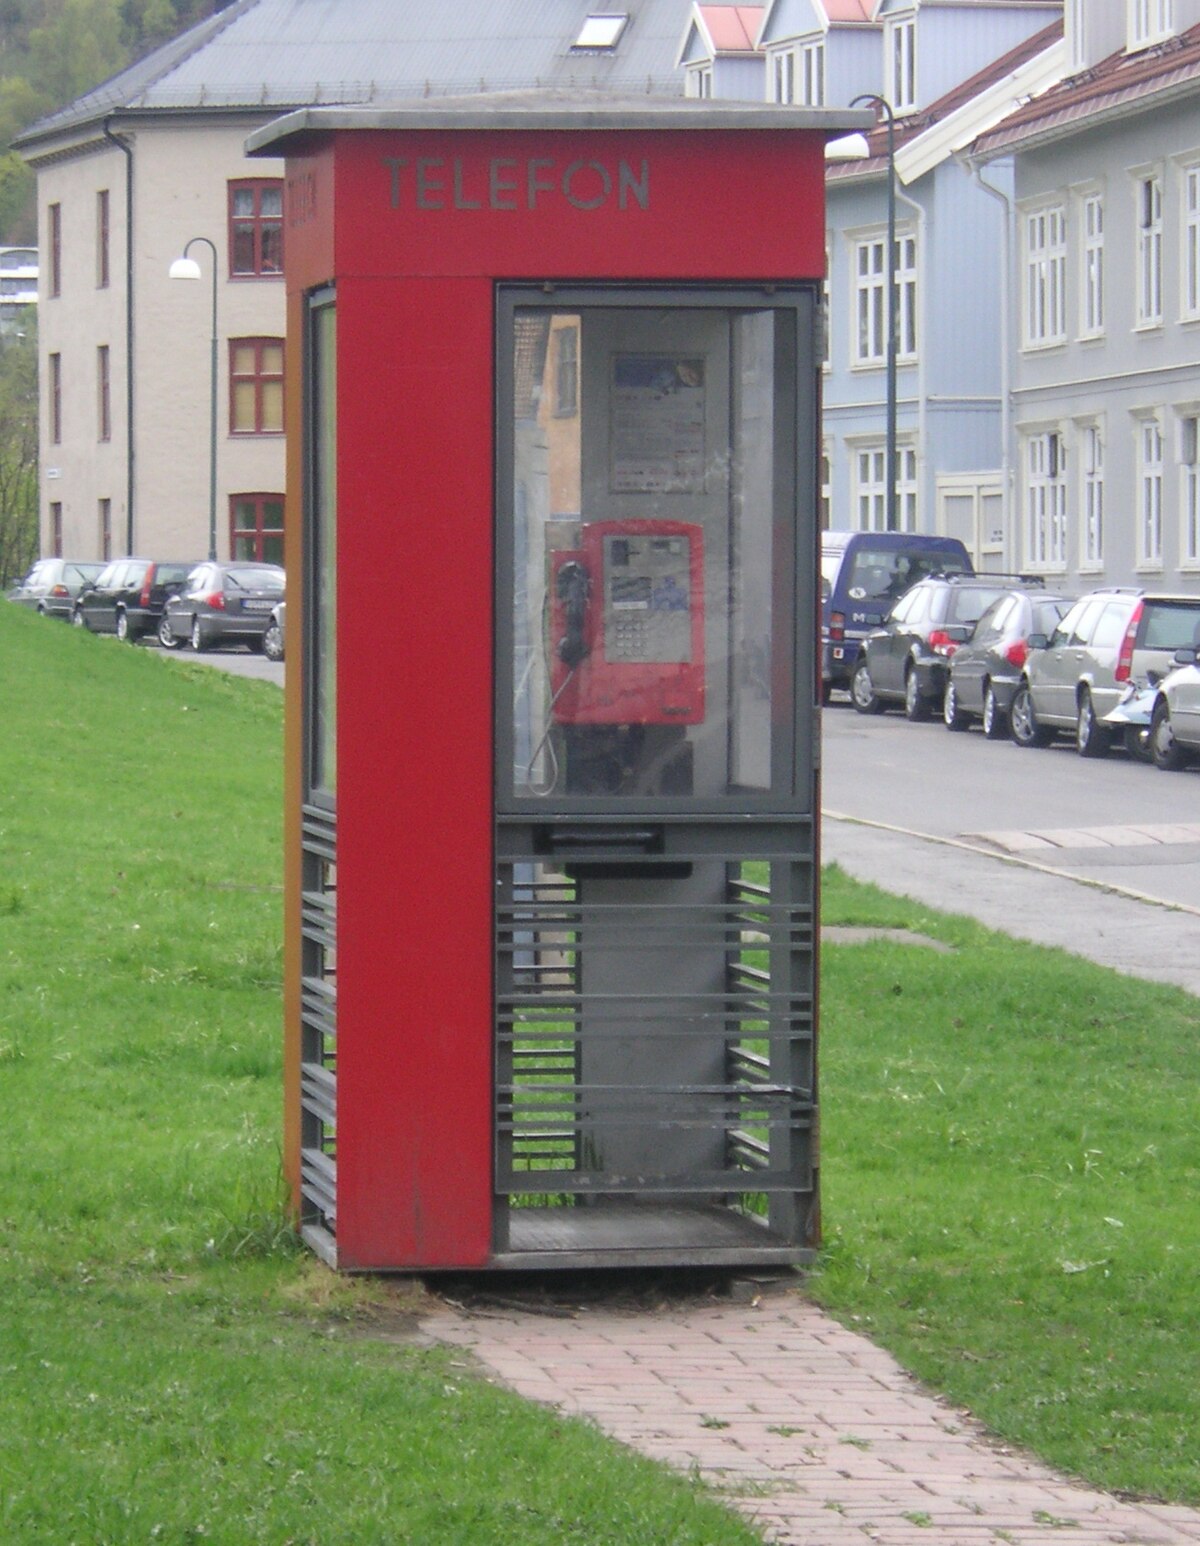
x: 654, y: 1042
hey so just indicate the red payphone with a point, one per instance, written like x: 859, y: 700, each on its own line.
x: 627, y: 625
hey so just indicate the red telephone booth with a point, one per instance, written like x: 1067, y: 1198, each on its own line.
x: 551, y: 731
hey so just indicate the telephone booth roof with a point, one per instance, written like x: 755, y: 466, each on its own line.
x: 550, y: 110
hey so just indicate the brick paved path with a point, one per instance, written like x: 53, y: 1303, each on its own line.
x: 809, y: 1430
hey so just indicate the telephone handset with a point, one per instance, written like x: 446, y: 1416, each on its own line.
x: 627, y: 625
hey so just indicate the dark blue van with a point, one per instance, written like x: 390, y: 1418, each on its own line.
x: 863, y: 575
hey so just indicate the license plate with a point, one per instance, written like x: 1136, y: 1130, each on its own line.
x: 257, y: 606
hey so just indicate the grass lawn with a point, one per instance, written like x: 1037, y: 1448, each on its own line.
x: 1010, y: 1155
x: 171, y: 1367
x: 1011, y: 1187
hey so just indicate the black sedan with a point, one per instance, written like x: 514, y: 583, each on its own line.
x: 127, y: 596
x: 222, y: 604
x: 985, y: 671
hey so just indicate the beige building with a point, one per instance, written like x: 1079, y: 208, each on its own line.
x: 127, y: 378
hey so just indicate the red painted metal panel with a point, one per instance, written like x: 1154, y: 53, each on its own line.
x: 662, y: 205
x: 415, y: 773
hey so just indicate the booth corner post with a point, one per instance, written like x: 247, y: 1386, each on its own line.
x: 552, y: 797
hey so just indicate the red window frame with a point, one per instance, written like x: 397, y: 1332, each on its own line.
x: 55, y: 216
x: 56, y: 399
x: 103, y: 393
x: 102, y: 226
x: 256, y: 228
x: 56, y: 529
x: 255, y: 383
x: 251, y: 536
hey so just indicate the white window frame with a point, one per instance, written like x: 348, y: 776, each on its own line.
x: 699, y: 81
x: 826, y: 491
x: 811, y: 73
x: 1091, y: 496
x: 1076, y: 30
x: 869, y: 497
x: 1189, y: 195
x: 1149, y: 502
x: 1045, y: 270
x: 1148, y: 224
x: 900, y: 61
x: 1149, y: 22
x: 1046, y: 500
x: 1189, y: 487
x: 783, y: 75
x: 868, y: 283
x: 906, y: 487
x: 1091, y: 264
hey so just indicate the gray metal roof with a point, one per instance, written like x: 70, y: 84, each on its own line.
x: 276, y: 54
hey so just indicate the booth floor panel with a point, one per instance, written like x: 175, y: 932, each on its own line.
x: 640, y: 1234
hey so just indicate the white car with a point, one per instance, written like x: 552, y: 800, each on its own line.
x: 1175, y: 719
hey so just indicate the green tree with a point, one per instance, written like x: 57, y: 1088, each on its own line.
x: 79, y: 45
x: 18, y: 453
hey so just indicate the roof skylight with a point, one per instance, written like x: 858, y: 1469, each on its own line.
x: 601, y: 29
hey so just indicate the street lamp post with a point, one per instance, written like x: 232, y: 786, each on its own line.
x: 890, y: 513
x: 187, y: 268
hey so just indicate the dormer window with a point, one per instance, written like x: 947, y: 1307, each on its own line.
x: 601, y: 30
x: 900, y: 43
x: 1150, y: 21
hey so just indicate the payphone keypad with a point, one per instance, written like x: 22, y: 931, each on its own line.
x: 647, y: 601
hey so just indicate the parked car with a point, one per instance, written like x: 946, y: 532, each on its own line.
x: 1075, y: 677
x: 127, y: 596
x: 222, y: 604
x: 985, y: 671
x: 1175, y: 720
x: 52, y: 585
x: 862, y: 575
x: 907, y: 659
x: 273, y: 639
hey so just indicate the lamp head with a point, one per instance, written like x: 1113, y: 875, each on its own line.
x: 850, y: 147
x: 184, y: 268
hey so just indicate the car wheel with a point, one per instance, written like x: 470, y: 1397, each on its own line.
x: 916, y: 705
x: 166, y: 638
x: 199, y: 642
x: 862, y: 690
x: 952, y: 714
x: 995, y: 722
x: 1023, y: 722
x: 1137, y: 742
x: 1164, y: 748
x: 1091, y: 738
x: 123, y: 628
x: 77, y: 618
x: 272, y: 642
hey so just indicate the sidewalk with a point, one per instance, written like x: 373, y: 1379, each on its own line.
x: 810, y: 1431
x: 1017, y: 895
x: 807, y: 1429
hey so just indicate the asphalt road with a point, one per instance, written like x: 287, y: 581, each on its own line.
x: 1101, y: 857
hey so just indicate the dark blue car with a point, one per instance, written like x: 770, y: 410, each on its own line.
x: 863, y: 575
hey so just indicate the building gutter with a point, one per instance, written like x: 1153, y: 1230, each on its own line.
x: 975, y: 171
x: 126, y: 150
x: 922, y: 216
